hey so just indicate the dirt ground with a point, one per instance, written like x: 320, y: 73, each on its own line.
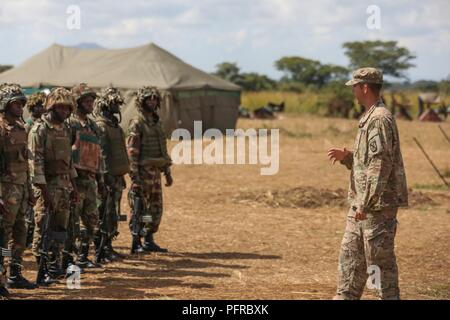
x: 234, y: 234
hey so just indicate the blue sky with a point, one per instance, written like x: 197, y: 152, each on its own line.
x: 253, y: 33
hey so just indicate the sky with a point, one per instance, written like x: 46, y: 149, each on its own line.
x: 252, y: 33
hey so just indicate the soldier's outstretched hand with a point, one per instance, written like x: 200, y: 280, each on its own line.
x: 337, y: 154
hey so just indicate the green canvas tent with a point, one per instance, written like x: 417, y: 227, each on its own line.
x: 189, y: 94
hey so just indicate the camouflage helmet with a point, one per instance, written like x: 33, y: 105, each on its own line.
x: 108, y: 96
x: 59, y: 96
x: 10, y: 92
x: 82, y: 90
x: 144, y: 93
x: 35, y: 99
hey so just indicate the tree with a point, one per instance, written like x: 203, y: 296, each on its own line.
x: 256, y: 82
x: 228, y: 71
x: 248, y: 81
x: 4, y: 67
x: 387, y: 56
x: 307, y: 71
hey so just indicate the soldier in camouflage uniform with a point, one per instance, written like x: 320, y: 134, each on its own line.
x: 35, y: 106
x: 86, y: 156
x: 116, y: 164
x: 377, y: 189
x: 14, y: 179
x: 147, y: 151
x: 52, y: 173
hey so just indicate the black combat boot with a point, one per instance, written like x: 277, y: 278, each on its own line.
x: 136, y: 246
x: 54, y: 266
x: 47, y: 279
x: 16, y: 280
x: 83, y: 260
x: 151, y: 246
x: 110, y: 253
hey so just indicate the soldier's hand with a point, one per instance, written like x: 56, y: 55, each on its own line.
x: 31, y: 199
x: 101, y: 189
x: 75, y: 196
x: 337, y: 154
x: 45, y: 195
x: 3, y: 210
x: 169, y: 180
x: 136, y: 187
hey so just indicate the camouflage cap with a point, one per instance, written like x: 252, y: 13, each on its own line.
x: 366, y: 75
x: 10, y: 92
x: 82, y: 90
x: 146, y: 92
x: 37, y: 98
x: 108, y: 96
x: 59, y: 96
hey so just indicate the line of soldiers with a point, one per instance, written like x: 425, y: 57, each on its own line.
x: 62, y: 173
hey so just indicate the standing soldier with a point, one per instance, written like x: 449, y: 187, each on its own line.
x: 116, y: 165
x: 377, y: 189
x: 35, y: 106
x: 86, y: 157
x: 147, y: 150
x: 52, y: 173
x: 14, y: 180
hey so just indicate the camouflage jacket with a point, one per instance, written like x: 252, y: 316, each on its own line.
x: 146, y: 147
x: 377, y: 177
x: 89, y: 127
x: 13, y: 135
x: 30, y: 122
x: 47, y: 144
x: 112, y: 141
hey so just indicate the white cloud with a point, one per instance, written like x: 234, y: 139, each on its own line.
x: 253, y: 33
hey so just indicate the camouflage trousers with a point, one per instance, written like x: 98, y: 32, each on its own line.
x: 368, y: 247
x: 14, y: 228
x: 117, y: 184
x: 86, y: 211
x: 61, y: 213
x: 152, y: 199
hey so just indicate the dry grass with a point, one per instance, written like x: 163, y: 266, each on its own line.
x: 225, y: 249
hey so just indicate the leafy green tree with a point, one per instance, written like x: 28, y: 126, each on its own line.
x: 256, y: 82
x: 387, y: 56
x: 228, y: 71
x: 307, y: 71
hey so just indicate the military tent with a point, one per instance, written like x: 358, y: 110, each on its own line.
x: 189, y: 94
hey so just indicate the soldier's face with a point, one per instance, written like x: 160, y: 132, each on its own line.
x: 62, y: 112
x: 38, y: 110
x: 115, y: 108
x: 87, y: 104
x: 151, y: 104
x: 358, y: 92
x: 15, y: 108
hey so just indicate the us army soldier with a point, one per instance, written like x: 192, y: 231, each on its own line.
x: 377, y: 189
